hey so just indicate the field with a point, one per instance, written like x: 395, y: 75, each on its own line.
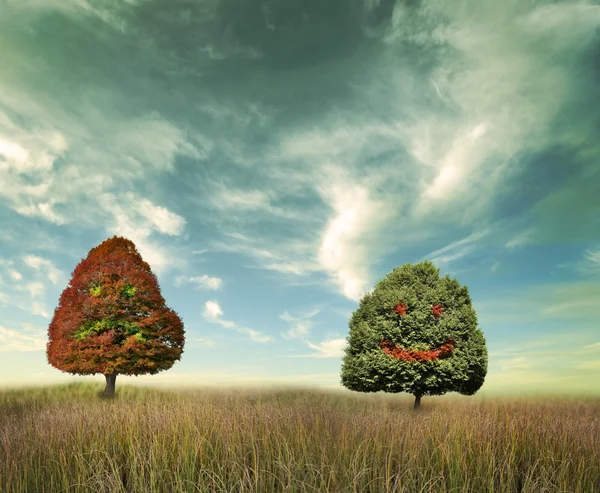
x: 67, y: 439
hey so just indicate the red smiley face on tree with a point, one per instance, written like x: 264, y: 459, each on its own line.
x: 394, y: 351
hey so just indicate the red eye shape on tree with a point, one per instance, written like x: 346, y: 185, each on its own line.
x: 437, y: 310
x: 400, y: 309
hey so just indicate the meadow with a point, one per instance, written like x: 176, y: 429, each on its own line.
x: 66, y: 439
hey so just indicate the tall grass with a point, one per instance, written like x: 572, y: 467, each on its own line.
x: 66, y: 439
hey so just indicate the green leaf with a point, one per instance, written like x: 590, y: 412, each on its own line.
x: 128, y: 291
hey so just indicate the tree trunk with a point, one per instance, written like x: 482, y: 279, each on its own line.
x: 417, y: 401
x: 109, y: 390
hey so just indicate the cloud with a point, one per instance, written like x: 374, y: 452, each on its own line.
x: 590, y: 263
x: 12, y: 153
x: 23, y: 161
x: 255, y: 335
x: 45, y: 210
x: 520, y: 240
x: 333, y: 348
x: 36, y: 308
x: 227, y: 199
x: 443, y: 152
x: 139, y: 224
x: 337, y: 186
x: 565, y: 300
x: 62, y: 160
x: 455, y: 250
x: 456, y: 165
x: 42, y: 264
x: 162, y: 220
x: 204, y: 281
x: 593, y: 346
x: 206, y: 341
x: 13, y: 340
x: 569, y: 306
x: 36, y: 7
x: 35, y: 289
x: 213, y: 312
x: 287, y: 257
x: 349, y: 240
x: 299, y: 325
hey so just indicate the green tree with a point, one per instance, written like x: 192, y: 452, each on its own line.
x: 415, y: 333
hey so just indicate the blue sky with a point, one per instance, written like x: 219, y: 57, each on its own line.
x: 273, y: 160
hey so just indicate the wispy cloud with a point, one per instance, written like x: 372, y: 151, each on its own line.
x: 559, y: 300
x: 213, y: 312
x: 42, y: 264
x: 520, y: 240
x: 204, y: 341
x: 139, y: 224
x: 204, y: 281
x: 590, y: 264
x: 332, y: 348
x: 300, y: 325
x: 345, y: 251
x: 14, y: 340
x: 287, y: 258
x: 161, y: 219
x: 35, y: 289
x: 248, y: 202
x: 300, y: 329
x: 455, y: 250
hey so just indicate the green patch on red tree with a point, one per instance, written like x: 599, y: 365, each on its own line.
x: 112, y: 319
x: 415, y: 333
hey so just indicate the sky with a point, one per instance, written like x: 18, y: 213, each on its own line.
x: 272, y: 160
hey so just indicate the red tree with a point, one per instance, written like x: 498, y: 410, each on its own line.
x: 112, y: 319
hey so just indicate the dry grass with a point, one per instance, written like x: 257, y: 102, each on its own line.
x: 66, y: 439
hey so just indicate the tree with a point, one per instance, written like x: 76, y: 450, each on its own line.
x: 112, y: 319
x: 415, y: 333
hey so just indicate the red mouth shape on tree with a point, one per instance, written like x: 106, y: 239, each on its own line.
x: 394, y: 351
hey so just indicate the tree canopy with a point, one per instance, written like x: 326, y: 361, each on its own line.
x: 112, y: 319
x: 415, y: 333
